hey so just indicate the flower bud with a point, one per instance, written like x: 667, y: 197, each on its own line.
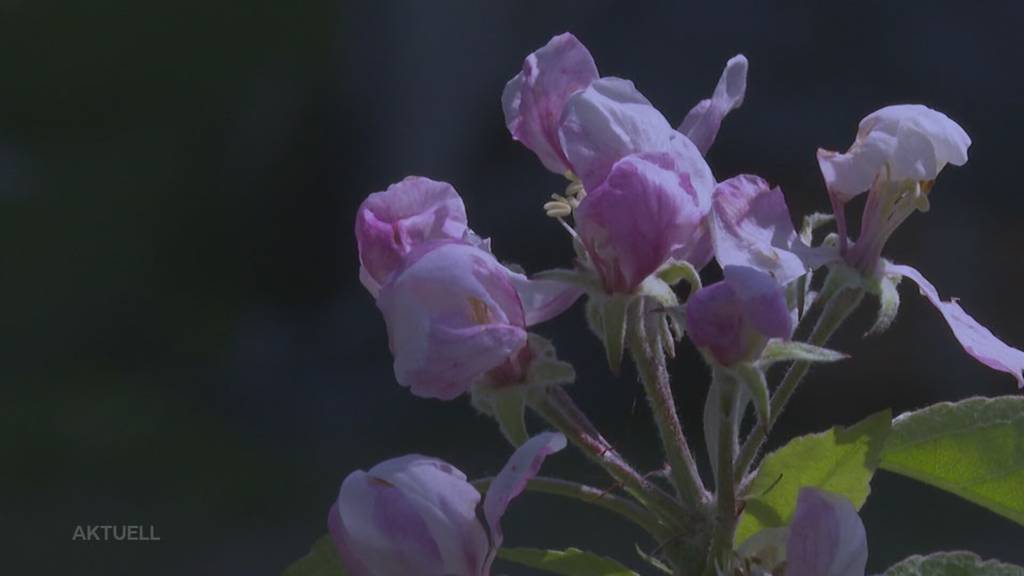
x: 633, y: 222
x: 733, y: 319
x: 453, y: 313
x: 826, y: 537
x: 391, y: 223
x: 416, y: 515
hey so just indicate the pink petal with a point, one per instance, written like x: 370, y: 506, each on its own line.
x: 340, y: 536
x: 903, y: 142
x: 702, y: 123
x: 611, y: 120
x: 977, y: 340
x: 390, y: 223
x: 511, y: 481
x: 826, y: 537
x: 636, y: 219
x: 544, y: 299
x: 533, y: 100
x: 752, y: 228
x: 762, y: 299
x: 452, y: 314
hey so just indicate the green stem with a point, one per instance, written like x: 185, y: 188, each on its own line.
x: 595, y: 496
x: 650, y: 362
x: 562, y: 413
x: 840, y: 304
x: 725, y: 488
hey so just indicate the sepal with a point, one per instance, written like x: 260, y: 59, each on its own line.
x: 752, y: 378
x: 506, y: 403
x: 788, y: 351
x: 606, y: 315
x: 888, y: 303
x: 677, y: 270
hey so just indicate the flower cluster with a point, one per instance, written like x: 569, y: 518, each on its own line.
x: 644, y: 211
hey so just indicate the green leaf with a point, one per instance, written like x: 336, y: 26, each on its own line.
x: 322, y: 560
x: 569, y: 562
x: 841, y: 460
x: 973, y: 448
x: 952, y: 564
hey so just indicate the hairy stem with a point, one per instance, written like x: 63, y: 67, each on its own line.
x: 725, y: 488
x: 562, y: 413
x: 595, y: 496
x: 840, y: 304
x: 650, y: 362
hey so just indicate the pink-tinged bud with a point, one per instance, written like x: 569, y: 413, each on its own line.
x: 454, y: 313
x: 533, y: 100
x: 826, y: 537
x: 416, y: 515
x: 734, y: 318
x: 391, y: 223
x: 633, y: 222
x: 752, y: 228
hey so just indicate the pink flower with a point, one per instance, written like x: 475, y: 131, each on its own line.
x: 733, y: 319
x: 826, y: 537
x: 702, y: 123
x: 752, y: 228
x: 640, y: 214
x: 977, y: 340
x: 897, y: 143
x: 897, y: 155
x: 454, y: 313
x: 534, y: 98
x: 417, y: 516
x: 390, y: 223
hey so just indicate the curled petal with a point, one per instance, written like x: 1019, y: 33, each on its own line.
x: 977, y: 340
x: 410, y: 515
x: 826, y: 537
x: 635, y: 220
x: 703, y: 121
x: 533, y: 100
x: 611, y: 120
x: 511, y: 481
x: 903, y: 142
x: 452, y: 314
x: 391, y: 223
x: 544, y: 299
x: 752, y: 228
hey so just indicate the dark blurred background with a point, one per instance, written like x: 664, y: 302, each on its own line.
x: 185, y: 341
